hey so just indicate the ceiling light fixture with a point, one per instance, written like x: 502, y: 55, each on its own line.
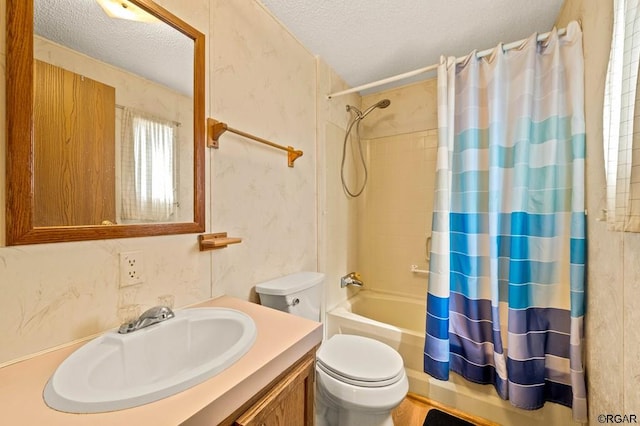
x: 124, y: 9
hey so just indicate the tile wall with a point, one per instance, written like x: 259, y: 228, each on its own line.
x: 395, y: 208
x: 396, y: 218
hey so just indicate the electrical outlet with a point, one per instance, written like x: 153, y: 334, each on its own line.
x: 131, y: 268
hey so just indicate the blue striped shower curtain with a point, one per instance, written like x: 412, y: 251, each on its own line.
x: 505, y: 304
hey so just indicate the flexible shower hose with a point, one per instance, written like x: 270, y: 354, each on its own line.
x: 354, y: 194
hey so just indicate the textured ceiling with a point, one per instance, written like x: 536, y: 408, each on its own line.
x: 155, y: 51
x: 362, y: 40
x: 367, y: 40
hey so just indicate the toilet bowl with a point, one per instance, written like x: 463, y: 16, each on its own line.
x: 358, y: 380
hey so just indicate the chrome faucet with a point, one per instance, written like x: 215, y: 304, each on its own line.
x: 149, y: 317
x: 352, y: 278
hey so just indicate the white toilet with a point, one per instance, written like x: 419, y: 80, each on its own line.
x: 358, y: 380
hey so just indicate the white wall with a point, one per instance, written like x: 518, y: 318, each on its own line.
x: 613, y: 276
x: 262, y: 82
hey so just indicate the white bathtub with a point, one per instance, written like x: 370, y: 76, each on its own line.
x: 399, y: 321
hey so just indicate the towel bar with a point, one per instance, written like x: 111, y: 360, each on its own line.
x: 216, y: 128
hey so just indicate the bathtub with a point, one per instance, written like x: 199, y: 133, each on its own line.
x: 375, y: 314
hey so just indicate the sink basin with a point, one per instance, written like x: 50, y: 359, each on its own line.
x: 117, y: 371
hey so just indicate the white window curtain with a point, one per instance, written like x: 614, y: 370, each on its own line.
x: 148, y: 167
x: 622, y: 164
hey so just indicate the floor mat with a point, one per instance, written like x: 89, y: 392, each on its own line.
x: 436, y: 417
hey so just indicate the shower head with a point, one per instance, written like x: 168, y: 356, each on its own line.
x: 382, y: 104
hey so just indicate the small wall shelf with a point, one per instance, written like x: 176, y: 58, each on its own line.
x: 216, y: 241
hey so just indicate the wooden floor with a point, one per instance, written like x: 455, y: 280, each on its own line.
x: 414, y: 408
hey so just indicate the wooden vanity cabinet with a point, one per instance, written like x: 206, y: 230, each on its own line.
x: 287, y: 401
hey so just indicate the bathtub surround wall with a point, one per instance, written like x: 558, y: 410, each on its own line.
x: 394, y: 227
x: 396, y: 206
x: 414, y: 108
x: 259, y: 79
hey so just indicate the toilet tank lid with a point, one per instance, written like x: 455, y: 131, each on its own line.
x: 290, y: 283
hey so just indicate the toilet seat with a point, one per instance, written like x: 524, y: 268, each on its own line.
x: 360, y: 361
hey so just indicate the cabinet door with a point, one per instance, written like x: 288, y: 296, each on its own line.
x: 288, y: 403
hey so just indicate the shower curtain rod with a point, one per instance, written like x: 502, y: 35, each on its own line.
x: 419, y: 71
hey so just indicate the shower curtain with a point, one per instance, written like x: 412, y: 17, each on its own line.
x: 505, y: 304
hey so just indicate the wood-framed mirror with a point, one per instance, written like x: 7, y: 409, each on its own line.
x: 103, y: 176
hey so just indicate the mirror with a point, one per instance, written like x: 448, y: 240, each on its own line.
x: 105, y: 123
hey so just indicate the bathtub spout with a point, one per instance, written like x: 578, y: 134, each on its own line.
x: 352, y: 278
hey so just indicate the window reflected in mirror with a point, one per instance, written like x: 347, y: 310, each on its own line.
x: 148, y: 168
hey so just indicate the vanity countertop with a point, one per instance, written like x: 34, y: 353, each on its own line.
x: 282, y: 339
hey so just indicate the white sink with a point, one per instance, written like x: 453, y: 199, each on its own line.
x: 117, y: 371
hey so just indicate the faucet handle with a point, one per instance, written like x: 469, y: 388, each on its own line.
x: 352, y: 278
x: 158, y: 312
x: 149, y: 317
x: 127, y: 327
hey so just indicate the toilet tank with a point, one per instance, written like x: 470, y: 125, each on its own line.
x: 298, y: 294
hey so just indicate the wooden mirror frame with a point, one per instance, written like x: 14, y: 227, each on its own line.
x: 20, y: 228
